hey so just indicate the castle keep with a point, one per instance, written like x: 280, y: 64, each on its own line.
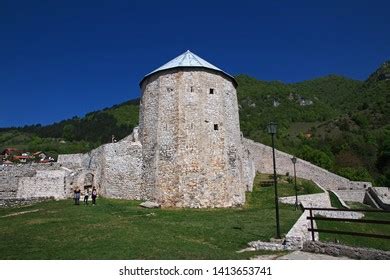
x: 187, y: 151
x: 190, y: 135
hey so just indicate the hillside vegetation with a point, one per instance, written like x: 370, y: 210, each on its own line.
x: 335, y: 122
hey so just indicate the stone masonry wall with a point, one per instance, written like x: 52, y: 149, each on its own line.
x: 299, y: 233
x: 8, y: 186
x: 121, y: 175
x: 16, y: 176
x: 352, y: 195
x: 115, y: 169
x: 337, y: 250
x: 383, y: 193
x: 262, y: 157
x: 47, y: 183
x: 248, y: 168
x: 192, y: 151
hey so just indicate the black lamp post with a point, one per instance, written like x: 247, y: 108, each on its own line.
x: 271, y: 129
x: 294, y: 161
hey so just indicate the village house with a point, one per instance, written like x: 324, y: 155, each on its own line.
x: 41, y: 155
x: 9, y: 151
x: 21, y: 159
x: 17, y: 156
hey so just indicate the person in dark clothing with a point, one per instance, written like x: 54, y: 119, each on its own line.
x: 86, y: 196
x: 77, y: 196
x: 94, y: 195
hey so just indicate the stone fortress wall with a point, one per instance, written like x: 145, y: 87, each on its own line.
x: 261, y: 155
x: 114, y: 169
x: 32, y: 181
x: 190, y: 134
x: 117, y: 172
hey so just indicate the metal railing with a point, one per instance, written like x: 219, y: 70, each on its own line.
x: 313, y: 218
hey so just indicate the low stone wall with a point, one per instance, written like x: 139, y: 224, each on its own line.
x: 18, y: 202
x: 8, y: 186
x: 48, y: 183
x: 268, y: 246
x: 262, y: 157
x: 27, y: 169
x: 299, y: 233
x: 351, y: 195
x: 383, y: 193
x: 21, y: 176
x: 347, y: 251
x: 309, y: 200
x: 340, y: 199
x: 381, y: 196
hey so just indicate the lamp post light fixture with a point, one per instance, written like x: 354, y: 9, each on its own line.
x: 271, y: 129
x: 294, y: 161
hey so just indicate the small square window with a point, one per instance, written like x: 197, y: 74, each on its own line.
x: 215, y: 126
x: 211, y: 91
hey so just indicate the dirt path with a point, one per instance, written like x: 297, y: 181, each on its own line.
x: 20, y: 213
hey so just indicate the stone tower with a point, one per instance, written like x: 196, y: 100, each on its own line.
x: 190, y: 135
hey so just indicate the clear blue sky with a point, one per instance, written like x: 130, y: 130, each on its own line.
x: 59, y: 59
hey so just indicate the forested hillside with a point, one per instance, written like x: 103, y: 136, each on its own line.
x: 335, y: 122
x: 79, y: 134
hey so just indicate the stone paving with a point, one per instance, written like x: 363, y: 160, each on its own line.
x: 299, y: 255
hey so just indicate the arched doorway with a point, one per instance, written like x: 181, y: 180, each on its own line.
x: 88, y: 181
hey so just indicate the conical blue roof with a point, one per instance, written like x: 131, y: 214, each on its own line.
x: 187, y: 59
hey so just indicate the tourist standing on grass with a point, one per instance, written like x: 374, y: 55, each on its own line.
x: 77, y: 196
x: 94, y: 195
x: 86, y: 196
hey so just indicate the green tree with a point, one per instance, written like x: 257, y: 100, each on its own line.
x: 355, y: 174
x: 68, y: 132
x: 315, y: 156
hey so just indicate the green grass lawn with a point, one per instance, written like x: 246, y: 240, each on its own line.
x: 120, y: 229
x: 382, y: 244
x: 286, y: 187
x: 334, y: 201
